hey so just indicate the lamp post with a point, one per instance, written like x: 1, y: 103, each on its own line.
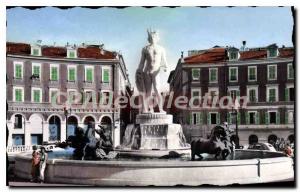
x: 67, y: 112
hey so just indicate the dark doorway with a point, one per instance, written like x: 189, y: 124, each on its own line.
x: 54, y: 128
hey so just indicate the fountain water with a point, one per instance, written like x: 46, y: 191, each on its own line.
x: 154, y: 132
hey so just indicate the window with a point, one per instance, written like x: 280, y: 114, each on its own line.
x: 89, y: 74
x: 252, y: 73
x: 253, y: 94
x: 234, y: 93
x: 196, y: 74
x: 71, y: 54
x: 213, y: 75
x: 272, y: 72
x: 105, y: 98
x: 231, y: 118
x: 72, y: 96
x: 36, y: 51
x: 53, y: 72
x: 18, y: 94
x: 36, y: 95
x: 213, y: 118
x: 233, y: 74
x: 290, y: 117
x: 88, y: 96
x: 233, y: 55
x: 105, y: 75
x: 71, y: 73
x: 291, y: 94
x: 252, y: 118
x: 36, y: 139
x: 18, y: 121
x: 53, y: 95
x: 272, y: 52
x: 196, y: 93
x: 18, y: 139
x: 272, y: 94
x: 290, y: 70
x: 18, y: 70
x: 36, y: 70
x: 272, y: 116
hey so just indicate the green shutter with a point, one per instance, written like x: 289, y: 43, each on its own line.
x: 111, y: 96
x: 199, y: 121
x: 218, y: 118
x: 286, y: 117
x: 257, y: 118
x: 36, y: 96
x: 228, y: 118
x: 106, y: 75
x: 54, y: 75
x: 18, y: 71
x: 239, y: 118
x: 247, y: 117
x: 18, y: 95
x: 89, y: 75
x: 291, y: 71
x: 278, y: 117
x: 71, y: 74
x: 266, y: 118
x: 286, y: 94
x: 208, y: 119
x: 190, y: 119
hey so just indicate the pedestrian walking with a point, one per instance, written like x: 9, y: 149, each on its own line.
x: 35, y: 162
x: 43, y: 162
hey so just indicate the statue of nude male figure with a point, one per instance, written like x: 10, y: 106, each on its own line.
x: 152, y: 60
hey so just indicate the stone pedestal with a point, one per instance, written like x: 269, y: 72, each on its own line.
x: 157, y: 132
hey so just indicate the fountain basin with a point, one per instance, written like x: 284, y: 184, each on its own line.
x: 258, y: 167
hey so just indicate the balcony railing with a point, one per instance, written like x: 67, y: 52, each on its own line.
x: 19, y: 148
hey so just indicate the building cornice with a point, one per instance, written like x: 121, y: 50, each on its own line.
x: 240, y: 63
x: 66, y: 60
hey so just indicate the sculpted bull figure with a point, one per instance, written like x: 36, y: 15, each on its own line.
x: 217, y: 144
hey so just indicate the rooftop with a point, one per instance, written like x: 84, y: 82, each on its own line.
x: 219, y: 54
x: 84, y: 51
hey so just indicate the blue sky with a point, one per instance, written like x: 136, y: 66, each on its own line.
x: 180, y: 29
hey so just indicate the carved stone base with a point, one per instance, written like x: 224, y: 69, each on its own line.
x: 154, y: 118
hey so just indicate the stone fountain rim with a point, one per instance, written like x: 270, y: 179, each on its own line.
x: 160, y: 163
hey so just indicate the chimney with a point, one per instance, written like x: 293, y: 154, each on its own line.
x: 181, y: 54
x: 244, y: 43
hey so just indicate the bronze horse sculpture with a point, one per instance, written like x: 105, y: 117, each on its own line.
x: 218, y: 144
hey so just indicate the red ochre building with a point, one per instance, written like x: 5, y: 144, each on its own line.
x: 35, y: 73
x: 264, y: 74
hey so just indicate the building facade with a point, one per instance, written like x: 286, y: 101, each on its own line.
x: 264, y: 75
x: 41, y: 79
